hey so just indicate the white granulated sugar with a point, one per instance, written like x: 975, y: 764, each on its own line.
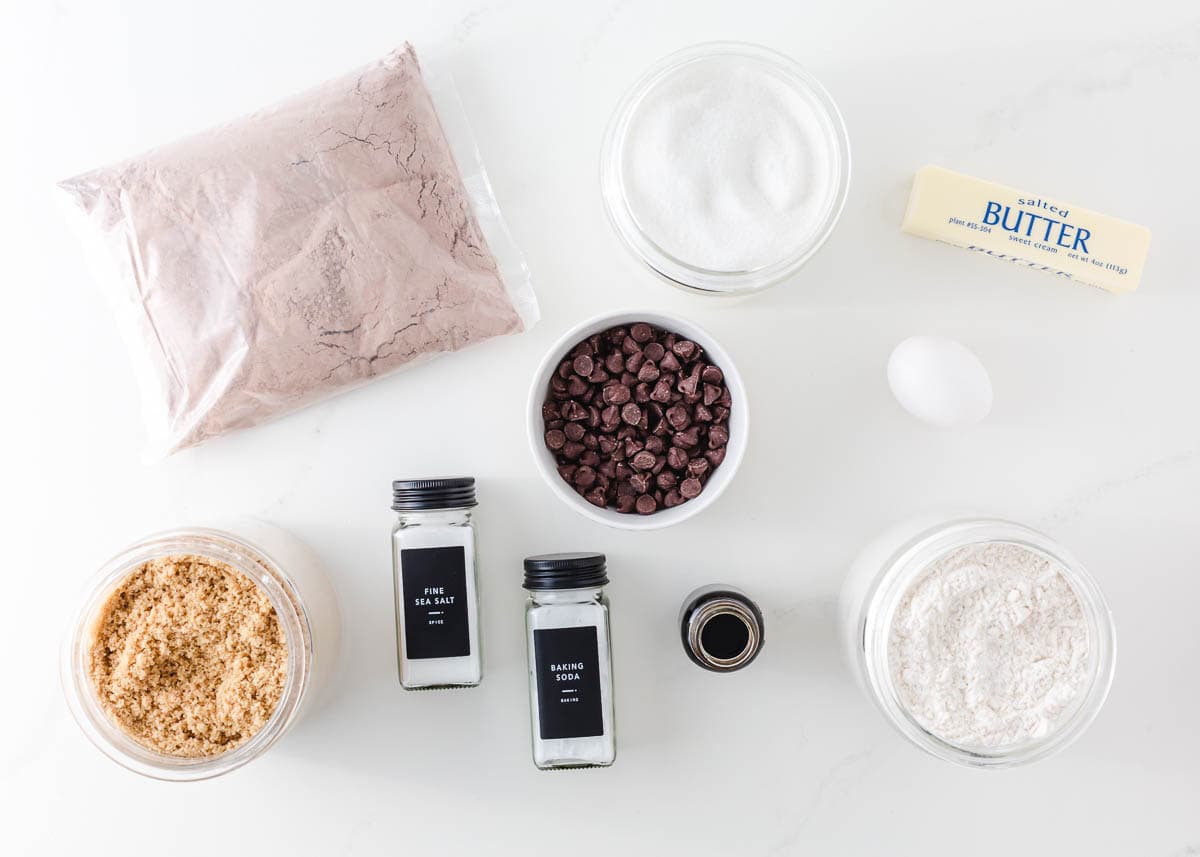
x: 726, y: 165
x: 989, y: 647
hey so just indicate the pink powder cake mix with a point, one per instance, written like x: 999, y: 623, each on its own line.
x: 303, y: 250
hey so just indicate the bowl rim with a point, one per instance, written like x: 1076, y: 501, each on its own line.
x: 736, y: 447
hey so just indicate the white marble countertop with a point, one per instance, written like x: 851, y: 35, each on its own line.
x: 1095, y: 437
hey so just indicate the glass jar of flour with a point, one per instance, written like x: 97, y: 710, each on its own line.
x: 433, y: 561
x: 570, y: 661
x: 982, y: 641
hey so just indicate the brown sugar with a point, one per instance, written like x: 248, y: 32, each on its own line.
x: 188, y: 656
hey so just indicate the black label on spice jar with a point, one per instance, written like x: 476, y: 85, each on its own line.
x: 435, y: 602
x: 567, y: 665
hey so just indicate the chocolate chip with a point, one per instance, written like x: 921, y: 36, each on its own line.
x: 572, y: 450
x: 677, y: 459
x: 583, y: 365
x: 634, y: 363
x: 689, y: 488
x: 639, y: 482
x: 665, y: 480
x: 555, y: 439
x: 573, y: 431
x: 661, y: 392
x: 648, y: 372
x: 585, y: 477
x: 685, y: 349
x: 615, y: 363
x: 673, y: 498
x: 688, y: 438
x: 596, y: 497
x: 643, y: 460
x: 641, y: 332
x: 669, y: 362
x: 615, y: 393
x: 718, y: 436
x: 688, y: 385
x: 678, y: 417
x: 712, y: 393
x: 576, y: 386
x: 655, y: 444
x: 712, y: 375
x: 572, y: 411
x: 646, y: 505
x: 550, y: 411
x: 715, y: 456
x: 631, y: 414
x: 626, y: 503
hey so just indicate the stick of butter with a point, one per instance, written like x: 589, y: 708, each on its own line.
x: 1029, y: 230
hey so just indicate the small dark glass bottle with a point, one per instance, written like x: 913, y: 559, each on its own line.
x: 721, y: 628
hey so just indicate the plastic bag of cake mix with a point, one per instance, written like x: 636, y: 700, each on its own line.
x: 303, y: 250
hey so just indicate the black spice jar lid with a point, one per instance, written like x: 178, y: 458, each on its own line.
x: 424, y: 495
x: 565, y: 571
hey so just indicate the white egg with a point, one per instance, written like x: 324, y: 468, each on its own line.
x: 940, y: 381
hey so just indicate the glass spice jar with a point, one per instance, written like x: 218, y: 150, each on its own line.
x: 570, y: 661
x: 433, y: 561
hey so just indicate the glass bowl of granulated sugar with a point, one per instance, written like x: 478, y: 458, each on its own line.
x: 983, y: 641
x: 725, y: 168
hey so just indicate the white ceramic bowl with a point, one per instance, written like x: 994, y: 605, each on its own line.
x: 739, y: 421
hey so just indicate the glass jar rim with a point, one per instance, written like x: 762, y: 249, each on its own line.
x: 679, y: 272
x: 246, y: 558
x: 910, y: 561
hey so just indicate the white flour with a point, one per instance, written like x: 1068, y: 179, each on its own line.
x: 989, y: 647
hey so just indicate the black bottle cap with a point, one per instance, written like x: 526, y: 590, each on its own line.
x: 565, y: 571
x: 424, y: 495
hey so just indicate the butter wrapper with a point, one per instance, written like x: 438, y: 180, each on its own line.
x: 1029, y: 230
